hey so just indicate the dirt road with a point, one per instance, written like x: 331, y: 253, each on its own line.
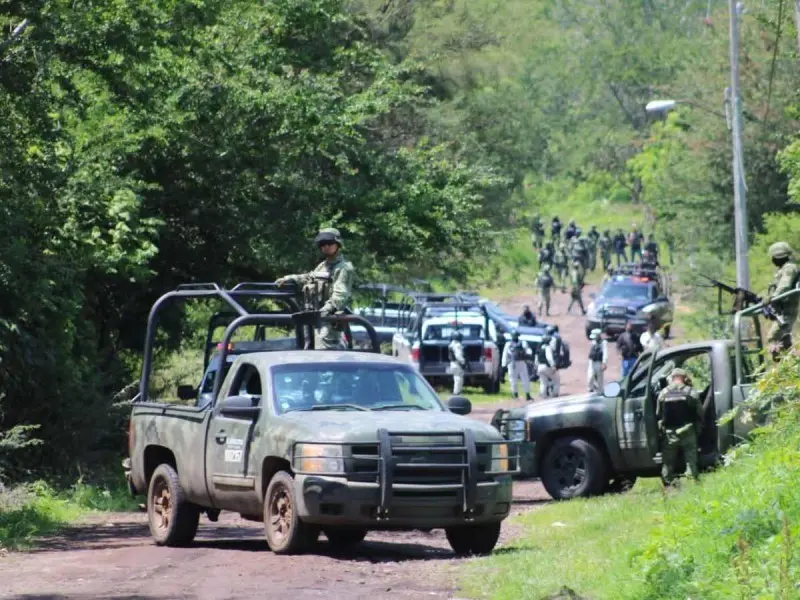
x: 112, y: 556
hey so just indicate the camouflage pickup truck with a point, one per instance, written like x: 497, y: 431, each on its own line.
x: 590, y: 444
x: 317, y: 441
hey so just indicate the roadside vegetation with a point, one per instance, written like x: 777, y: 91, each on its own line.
x: 36, y: 509
x: 733, y: 535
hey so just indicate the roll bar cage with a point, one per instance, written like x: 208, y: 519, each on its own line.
x: 304, y: 322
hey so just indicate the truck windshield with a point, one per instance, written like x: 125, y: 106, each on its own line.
x: 350, y: 387
x: 637, y: 293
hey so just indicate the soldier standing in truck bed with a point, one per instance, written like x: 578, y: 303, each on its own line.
x: 779, y: 337
x: 328, y: 288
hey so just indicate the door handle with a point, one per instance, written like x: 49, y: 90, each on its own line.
x: 221, y: 437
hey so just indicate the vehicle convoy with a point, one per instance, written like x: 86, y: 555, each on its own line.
x: 314, y: 441
x: 633, y: 295
x: 589, y: 444
x: 425, y: 343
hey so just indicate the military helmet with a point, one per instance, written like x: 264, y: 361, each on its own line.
x: 595, y: 333
x: 606, y: 232
x: 329, y: 234
x: 572, y: 221
x: 780, y: 250
x: 515, y: 336
x: 677, y: 372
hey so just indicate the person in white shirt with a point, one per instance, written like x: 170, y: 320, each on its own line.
x: 546, y: 368
x: 651, y: 340
x: 457, y: 362
x: 514, y: 354
x: 598, y: 361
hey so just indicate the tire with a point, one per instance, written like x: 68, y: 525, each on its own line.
x: 172, y: 519
x: 343, y: 538
x: 473, y: 539
x: 573, y: 467
x: 620, y: 485
x: 285, y: 532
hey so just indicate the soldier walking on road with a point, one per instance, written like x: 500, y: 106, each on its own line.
x: 515, y: 354
x: 598, y: 361
x: 457, y: 363
x: 619, y: 244
x: 635, y: 242
x: 544, y: 282
x: 576, y: 287
x: 592, y: 240
x: 560, y: 262
x: 605, y: 245
x: 555, y: 228
x: 680, y: 417
x: 328, y: 288
x: 537, y: 232
x: 547, y: 255
x: 546, y: 367
x: 779, y: 338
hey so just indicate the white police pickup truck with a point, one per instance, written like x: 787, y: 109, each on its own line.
x: 425, y: 345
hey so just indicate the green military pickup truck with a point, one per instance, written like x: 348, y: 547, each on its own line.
x: 590, y: 444
x: 339, y: 442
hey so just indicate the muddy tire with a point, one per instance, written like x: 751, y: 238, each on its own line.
x: 172, y: 519
x: 473, y: 539
x: 285, y: 532
x: 573, y: 467
x: 343, y: 538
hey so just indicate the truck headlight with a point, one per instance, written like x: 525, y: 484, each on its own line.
x: 499, y: 457
x: 516, y: 430
x: 318, y: 458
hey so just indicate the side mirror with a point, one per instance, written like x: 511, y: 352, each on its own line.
x: 187, y: 392
x: 612, y: 389
x: 241, y: 407
x: 459, y: 405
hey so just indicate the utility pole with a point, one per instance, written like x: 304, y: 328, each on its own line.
x: 739, y: 189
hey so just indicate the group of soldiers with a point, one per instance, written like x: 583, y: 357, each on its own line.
x: 568, y: 255
x: 551, y: 356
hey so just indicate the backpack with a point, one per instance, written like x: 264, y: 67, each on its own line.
x: 562, y: 354
x: 596, y: 352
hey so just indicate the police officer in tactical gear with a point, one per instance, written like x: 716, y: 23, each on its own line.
x: 328, y: 288
x: 514, y: 358
x: 786, y: 278
x: 598, y: 361
x: 555, y: 227
x: 635, y: 242
x: 570, y: 231
x: 547, y: 255
x: 605, y: 244
x: 680, y: 416
x: 546, y: 367
x: 576, y: 287
x: 619, y: 244
x: 457, y: 361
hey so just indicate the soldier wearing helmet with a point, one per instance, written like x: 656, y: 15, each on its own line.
x: 786, y: 278
x: 680, y: 417
x: 515, y: 355
x: 544, y: 283
x: 570, y: 231
x: 328, y: 288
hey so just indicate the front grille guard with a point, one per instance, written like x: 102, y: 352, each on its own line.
x: 391, y: 453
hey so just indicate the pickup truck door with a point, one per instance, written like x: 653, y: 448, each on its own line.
x: 748, y: 359
x: 231, y: 470
x: 631, y: 430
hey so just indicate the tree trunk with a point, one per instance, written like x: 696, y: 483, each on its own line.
x: 797, y: 23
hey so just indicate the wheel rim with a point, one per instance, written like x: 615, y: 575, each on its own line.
x: 569, y: 470
x: 162, y: 504
x: 280, y: 514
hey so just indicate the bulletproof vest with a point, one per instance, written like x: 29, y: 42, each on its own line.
x: 596, y: 352
x: 545, y: 280
x: 541, y: 355
x: 317, y: 291
x: 450, y: 354
x: 651, y: 247
x: 517, y: 351
x: 675, y: 409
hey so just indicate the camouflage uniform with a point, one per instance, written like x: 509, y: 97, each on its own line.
x: 560, y: 263
x: 605, y: 245
x: 592, y: 238
x: 544, y: 281
x: 328, y: 288
x: 576, y: 289
x: 779, y: 336
x: 537, y: 232
x: 679, y: 414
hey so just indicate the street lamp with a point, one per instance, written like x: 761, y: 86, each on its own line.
x: 733, y: 103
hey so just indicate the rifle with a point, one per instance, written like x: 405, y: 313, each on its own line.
x: 742, y: 298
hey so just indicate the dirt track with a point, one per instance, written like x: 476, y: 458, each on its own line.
x: 112, y: 556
